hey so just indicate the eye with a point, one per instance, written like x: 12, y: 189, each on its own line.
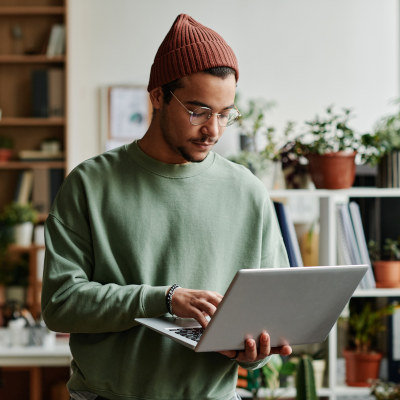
x: 201, y: 113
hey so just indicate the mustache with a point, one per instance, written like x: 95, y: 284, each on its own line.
x: 205, y: 139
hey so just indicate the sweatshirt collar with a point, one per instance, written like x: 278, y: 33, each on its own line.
x: 169, y: 170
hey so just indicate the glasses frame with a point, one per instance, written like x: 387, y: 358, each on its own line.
x: 210, y: 114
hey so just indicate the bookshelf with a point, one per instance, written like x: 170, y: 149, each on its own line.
x: 327, y: 201
x: 26, y: 27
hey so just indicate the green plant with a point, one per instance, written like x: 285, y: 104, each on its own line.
x: 305, y: 381
x: 390, y: 252
x: 330, y: 133
x: 253, y: 123
x: 384, y: 139
x: 273, y: 371
x: 16, y: 213
x: 385, y: 390
x: 6, y: 142
x: 366, y: 325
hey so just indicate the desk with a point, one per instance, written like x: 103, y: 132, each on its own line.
x: 32, y: 358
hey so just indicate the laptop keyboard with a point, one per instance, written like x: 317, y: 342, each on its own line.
x: 190, y: 333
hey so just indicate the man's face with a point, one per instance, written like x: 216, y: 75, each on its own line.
x: 179, y: 140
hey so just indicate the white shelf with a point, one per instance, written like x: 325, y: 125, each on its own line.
x: 377, y: 293
x: 323, y: 193
x: 281, y: 392
x: 327, y: 201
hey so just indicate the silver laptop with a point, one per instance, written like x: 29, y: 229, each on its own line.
x: 294, y: 305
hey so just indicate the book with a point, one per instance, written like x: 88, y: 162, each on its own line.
x: 24, y: 187
x: 289, y: 235
x: 41, y: 155
x: 56, y: 42
x: 355, y: 215
x: 40, y: 192
x: 56, y: 91
x: 40, y: 94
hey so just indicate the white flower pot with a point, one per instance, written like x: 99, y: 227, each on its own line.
x: 319, y: 370
x: 23, y: 234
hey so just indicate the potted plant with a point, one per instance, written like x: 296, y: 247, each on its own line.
x: 386, y: 262
x: 6, y: 145
x: 21, y: 217
x: 383, y: 149
x: 363, y: 361
x: 272, y: 375
x: 259, y: 142
x: 382, y: 390
x: 330, y: 146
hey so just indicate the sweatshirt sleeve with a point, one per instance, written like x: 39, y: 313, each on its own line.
x: 72, y: 301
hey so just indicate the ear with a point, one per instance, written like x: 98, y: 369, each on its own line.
x: 157, y: 97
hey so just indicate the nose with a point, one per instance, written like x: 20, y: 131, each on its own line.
x: 212, y: 127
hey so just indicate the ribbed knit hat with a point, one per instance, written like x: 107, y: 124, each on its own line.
x: 189, y: 47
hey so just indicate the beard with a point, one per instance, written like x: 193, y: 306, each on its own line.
x: 182, y: 150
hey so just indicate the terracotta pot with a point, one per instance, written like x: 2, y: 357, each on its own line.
x: 332, y: 170
x: 5, y: 155
x: 361, y: 368
x: 387, y: 274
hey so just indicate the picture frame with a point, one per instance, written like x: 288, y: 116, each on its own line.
x: 128, y: 114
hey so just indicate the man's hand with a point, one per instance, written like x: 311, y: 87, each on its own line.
x: 197, y: 304
x: 250, y: 353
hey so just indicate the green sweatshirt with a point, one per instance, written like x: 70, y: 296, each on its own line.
x: 123, y: 228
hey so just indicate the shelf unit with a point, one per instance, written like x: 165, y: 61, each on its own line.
x: 25, y: 27
x: 328, y: 199
x: 20, y: 55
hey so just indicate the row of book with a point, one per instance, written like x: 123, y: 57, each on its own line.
x: 48, y: 92
x: 351, y: 243
x: 39, y: 187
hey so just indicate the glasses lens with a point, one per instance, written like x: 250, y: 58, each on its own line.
x: 200, y: 115
x: 229, y: 118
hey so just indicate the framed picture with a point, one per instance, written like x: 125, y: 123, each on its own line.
x: 128, y: 114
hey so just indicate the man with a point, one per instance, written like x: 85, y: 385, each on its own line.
x: 132, y: 224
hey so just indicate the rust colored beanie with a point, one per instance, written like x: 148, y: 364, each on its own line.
x: 189, y: 47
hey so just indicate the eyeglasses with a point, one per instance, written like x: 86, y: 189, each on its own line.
x: 201, y: 115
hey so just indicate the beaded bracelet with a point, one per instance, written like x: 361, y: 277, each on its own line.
x: 168, y: 297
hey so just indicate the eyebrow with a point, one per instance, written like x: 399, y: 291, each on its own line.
x: 200, y: 104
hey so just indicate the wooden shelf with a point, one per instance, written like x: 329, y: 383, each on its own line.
x: 26, y: 121
x: 32, y: 10
x: 14, y: 248
x: 30, y: 59
x: 16, y: 165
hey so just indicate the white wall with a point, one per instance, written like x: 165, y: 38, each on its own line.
x: 305, y: 55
